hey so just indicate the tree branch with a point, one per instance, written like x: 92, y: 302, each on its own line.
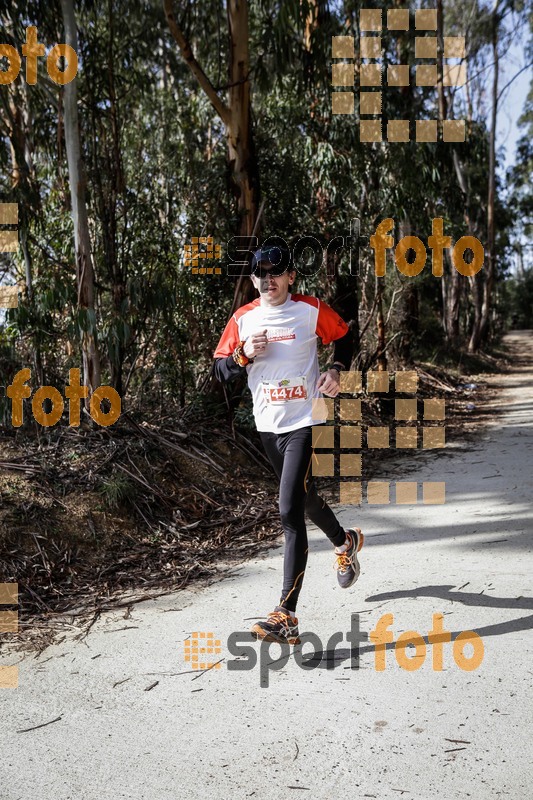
x: 188, y: 55
x: 527, y: 66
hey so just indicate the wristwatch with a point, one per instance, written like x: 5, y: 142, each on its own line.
x: 240, y: 357
x: 338, y: 366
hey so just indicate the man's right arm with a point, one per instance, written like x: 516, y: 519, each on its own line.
x: 226, y: 369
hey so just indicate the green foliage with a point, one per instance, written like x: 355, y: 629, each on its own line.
x: 244, y: 416
x: 116, y: 490
x: 518, y: 301
x: 157, y: 175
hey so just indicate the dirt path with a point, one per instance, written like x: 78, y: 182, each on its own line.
x: 337, y: 732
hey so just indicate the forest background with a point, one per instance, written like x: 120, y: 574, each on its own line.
x: 213, y: 118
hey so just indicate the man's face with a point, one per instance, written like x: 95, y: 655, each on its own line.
x: 273, y: 288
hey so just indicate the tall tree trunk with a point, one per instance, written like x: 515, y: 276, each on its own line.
x: 82, y: 242
x: 451, y: 305
x: 310, y: 9
x: 443, y: 110
x: 241, y: 148
x: 482, y: 284
x: 381, y: 355
x: 408, y: 311
x: 22, y: 171
x: 491, y: 255
x: 475, y: 281
x: 115, y: 187
x: 240, y: 141
x: 24, y: 185
x: 451, y: 279
x: 236, y: 117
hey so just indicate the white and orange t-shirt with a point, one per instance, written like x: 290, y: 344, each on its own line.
x: 283, y: 379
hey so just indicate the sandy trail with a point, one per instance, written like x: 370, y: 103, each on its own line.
x: 337, y: 732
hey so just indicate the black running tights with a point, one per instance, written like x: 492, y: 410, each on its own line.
x: 290, y: 454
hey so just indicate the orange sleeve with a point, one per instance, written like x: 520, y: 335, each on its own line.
x: 329, y: 326
x: 229, y: 340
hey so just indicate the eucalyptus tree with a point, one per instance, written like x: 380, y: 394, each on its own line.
x: 82, y: 239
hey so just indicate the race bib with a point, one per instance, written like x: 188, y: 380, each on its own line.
x: 286, y: 390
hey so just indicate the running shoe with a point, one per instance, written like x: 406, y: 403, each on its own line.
x: 347, y: 564
x: 279, y: 626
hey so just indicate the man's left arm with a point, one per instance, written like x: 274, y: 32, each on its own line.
x: 332, y: 328
x: 343, y: 350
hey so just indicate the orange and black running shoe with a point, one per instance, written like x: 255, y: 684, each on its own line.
x: 347, y: 563
x: 279, y: 626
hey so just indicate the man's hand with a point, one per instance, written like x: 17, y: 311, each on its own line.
x: 329, y: 383
x: 256, y: 344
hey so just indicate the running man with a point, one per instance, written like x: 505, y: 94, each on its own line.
x: 273, y: 340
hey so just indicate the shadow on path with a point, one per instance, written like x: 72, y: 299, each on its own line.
x: 332, y: 657
x: 467, y: 598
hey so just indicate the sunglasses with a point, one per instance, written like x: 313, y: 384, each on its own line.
x: 275, y: 271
